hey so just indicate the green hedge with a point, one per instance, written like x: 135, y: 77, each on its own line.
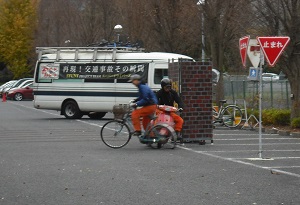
x: 274, y: 116
x: 295, y: 122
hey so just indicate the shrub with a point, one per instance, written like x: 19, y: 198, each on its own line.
x: 282, y: 117
x: 274, y: 116
x: 268, y: 116
x: 295, y: 122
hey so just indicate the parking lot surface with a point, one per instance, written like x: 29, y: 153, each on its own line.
x: 280, y: 154
x: 47, y: 159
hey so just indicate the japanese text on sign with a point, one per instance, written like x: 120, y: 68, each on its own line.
x: 243, y: 45
x: 91, y: 71
x: 272, y: 44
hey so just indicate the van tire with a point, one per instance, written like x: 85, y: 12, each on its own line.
x: 71, y: 110
x: 96, y: 115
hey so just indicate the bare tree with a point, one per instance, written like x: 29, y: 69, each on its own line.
x: 223, y: 24
x: 76, y: 22
x: 163, y: 25
x: 173, y: 24
x: 56, y: 18
x: 97, y: 20
x: 282, y: 18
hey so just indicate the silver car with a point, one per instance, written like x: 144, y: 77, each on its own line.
x: 6, y: 85
x: 270, y: 77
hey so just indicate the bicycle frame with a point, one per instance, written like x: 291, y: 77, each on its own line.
x: 127, y: 120
x: 219, y: 113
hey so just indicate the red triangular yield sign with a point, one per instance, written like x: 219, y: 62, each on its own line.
x: 243, y: 43
x: 273, y: 47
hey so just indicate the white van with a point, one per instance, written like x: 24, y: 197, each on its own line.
x: 90, y: 80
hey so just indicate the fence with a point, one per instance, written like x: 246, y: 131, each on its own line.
x: 274, y: 94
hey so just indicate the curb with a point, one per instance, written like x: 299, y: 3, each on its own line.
x: 262, y: 129
x: 284, y: 133
x: 296, y: 134
x: 272, y: 131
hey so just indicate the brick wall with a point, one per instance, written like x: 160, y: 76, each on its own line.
x: 194, y: 79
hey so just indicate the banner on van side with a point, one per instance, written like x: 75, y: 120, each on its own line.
x: 92, y: 71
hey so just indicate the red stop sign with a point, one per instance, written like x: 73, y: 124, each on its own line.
x: 273, y: 47
x: 243, y: 43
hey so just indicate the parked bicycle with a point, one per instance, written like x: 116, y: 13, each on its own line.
x: 230, y: 115
x: 117, y: 133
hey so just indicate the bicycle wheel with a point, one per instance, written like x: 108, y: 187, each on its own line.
x: 162, y: 135
x: 232, y: 116
x: 115, y: 134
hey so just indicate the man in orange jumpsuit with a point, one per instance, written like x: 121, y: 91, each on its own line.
x: 147, y: 101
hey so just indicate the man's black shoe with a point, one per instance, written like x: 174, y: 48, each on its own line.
x: 179, y: 136
x: 137, y: 133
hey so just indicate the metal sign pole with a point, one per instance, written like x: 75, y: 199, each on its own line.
x: 260, y: 103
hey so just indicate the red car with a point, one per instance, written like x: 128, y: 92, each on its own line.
x: 22, y: 93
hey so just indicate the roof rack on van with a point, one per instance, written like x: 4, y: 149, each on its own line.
x: 58, y: 50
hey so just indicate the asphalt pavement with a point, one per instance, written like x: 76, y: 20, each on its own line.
x: 47, y: 159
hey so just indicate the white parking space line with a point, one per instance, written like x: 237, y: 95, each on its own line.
x: 232, y: 151
x: 285, y: 157
x: 93, y: 124
x: 241, y: 162
x: 224, y: 134
x: 271, y: 157
x: 32, y: 108
x: 264, y: 144
x: 44, y: 111
x: 241, y: 139
x: 282, y: 167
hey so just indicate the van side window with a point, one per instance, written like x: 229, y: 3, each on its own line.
x: 160, y: 74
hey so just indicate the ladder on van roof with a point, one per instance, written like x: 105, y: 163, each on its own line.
x: 95, y: 50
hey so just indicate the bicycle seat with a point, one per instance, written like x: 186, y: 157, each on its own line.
x: 223, y: 101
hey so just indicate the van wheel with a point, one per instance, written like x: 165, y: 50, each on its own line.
x: 96, y: 115
x: 71, y: 110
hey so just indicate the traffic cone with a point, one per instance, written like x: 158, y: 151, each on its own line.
x: 3, y: 97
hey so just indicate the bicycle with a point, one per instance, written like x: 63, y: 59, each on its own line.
x: 230, y: 116
x: 117, y: 133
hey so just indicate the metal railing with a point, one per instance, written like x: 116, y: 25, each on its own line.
x: 275, y: 94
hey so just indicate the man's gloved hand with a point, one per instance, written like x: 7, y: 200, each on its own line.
x: 133, y: 105
x: 133, y: 101
x: 180, y: 109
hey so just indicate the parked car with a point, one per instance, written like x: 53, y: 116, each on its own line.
x: 18, y: 83
x: 18, y: 94
x: 270, y: 77
x: 5, y: 85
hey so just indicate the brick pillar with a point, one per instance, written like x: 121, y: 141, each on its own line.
x: 194, y: 79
